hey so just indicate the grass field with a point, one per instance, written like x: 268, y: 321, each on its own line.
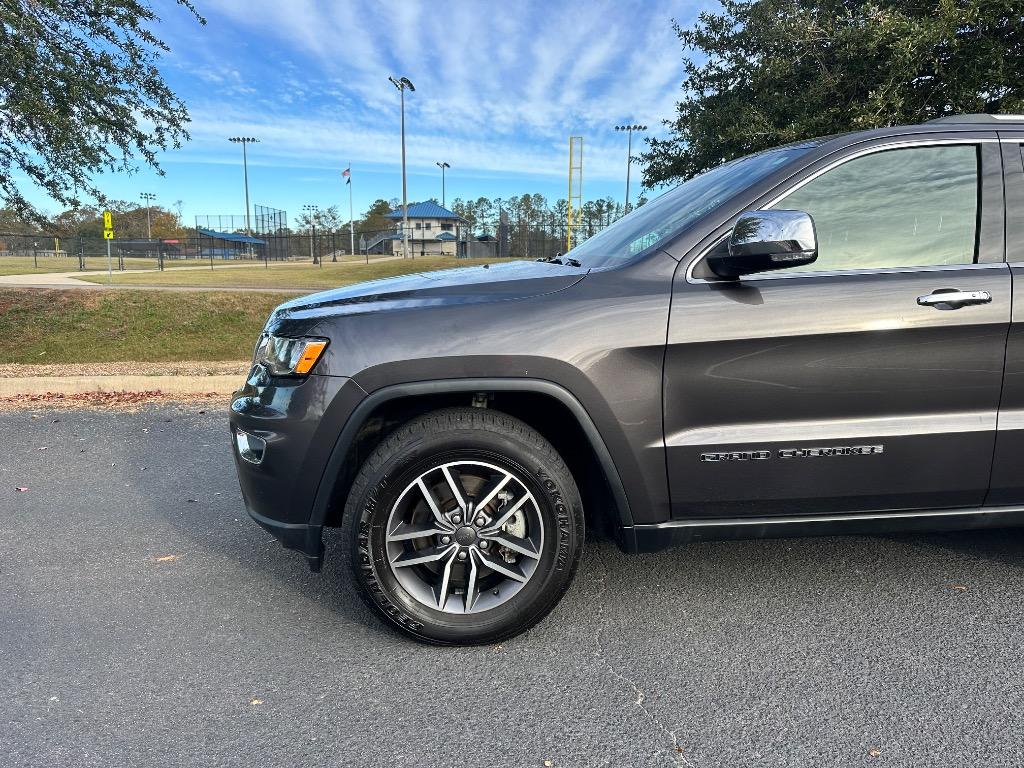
x: 301, y: 276
x: 26, y: 265
x: 76, y: 326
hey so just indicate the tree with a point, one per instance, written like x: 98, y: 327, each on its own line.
x: 13, y: 224
x: 376, y: 219
x: 770, y: 72
x: 80, y: 94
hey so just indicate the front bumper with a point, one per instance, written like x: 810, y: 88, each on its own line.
x: 300, y: 420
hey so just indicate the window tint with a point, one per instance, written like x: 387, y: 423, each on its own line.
x: 898, y: 208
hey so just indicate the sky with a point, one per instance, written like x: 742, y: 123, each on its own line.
x: 499, y: 89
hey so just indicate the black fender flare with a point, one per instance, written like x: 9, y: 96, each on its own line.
x: 332, y: 471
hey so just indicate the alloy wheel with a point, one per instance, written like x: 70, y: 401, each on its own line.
x: 464, y: 536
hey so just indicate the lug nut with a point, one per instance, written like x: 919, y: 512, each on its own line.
x: 462, y: 555
x: 456, y: 519
x: 484, y: 544
x: 480, y: 522
x: 446, y: 539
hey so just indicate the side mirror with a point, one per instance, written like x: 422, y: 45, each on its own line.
x: 765, y: 240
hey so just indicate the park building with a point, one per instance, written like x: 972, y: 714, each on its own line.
x: 433, y: 230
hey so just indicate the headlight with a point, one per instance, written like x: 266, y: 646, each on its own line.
x: 288, y: 357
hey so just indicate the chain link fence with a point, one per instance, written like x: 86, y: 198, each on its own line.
x: 509, y: 239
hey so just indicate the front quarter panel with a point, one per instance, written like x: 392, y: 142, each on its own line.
x: 602, y: 339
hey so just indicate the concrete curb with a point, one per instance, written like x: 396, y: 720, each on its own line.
x: 75, y: 385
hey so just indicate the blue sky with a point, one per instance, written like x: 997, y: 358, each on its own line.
x: 499, y: 88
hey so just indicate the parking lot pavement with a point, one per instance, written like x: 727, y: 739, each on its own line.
x: 895, y: 651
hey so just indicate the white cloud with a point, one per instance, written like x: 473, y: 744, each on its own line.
x: 500, y: 87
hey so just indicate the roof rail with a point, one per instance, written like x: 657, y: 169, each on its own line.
x: 979, y: 117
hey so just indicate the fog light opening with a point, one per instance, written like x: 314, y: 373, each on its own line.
x: 250, y: 448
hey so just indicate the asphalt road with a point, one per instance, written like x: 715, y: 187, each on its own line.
x: 860, y: 651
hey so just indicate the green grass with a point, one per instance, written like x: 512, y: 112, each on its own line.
x: 26, y: 265
x: 302, y: 276
x: 76, y: 326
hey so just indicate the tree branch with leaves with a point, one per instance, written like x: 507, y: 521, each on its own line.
x: 80, y: 94
x: 760, y: 73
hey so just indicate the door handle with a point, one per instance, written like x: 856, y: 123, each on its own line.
x: 952, y: 298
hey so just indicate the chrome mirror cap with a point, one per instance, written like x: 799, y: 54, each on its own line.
x: 766, y: 240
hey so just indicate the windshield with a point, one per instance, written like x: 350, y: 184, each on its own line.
x: 669, y: 214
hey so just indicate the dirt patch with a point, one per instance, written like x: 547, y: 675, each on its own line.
x: 186, y: 368
x: 122, y: 401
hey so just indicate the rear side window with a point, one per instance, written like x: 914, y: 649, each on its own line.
x: 896, y: 208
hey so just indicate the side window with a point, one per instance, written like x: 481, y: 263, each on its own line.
x: 896, y: 208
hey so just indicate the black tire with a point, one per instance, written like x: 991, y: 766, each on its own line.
x: 454, y: 435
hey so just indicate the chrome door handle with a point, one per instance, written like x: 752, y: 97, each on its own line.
x: 951, y: 298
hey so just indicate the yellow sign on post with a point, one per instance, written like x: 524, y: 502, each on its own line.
x: 108, y: 235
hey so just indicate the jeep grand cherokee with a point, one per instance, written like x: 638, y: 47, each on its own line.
x: 820, y: 338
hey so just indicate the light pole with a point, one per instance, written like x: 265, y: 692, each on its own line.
x: 442, y: 166
x: 148, y: 198
x: 629, y: 152
x: 313, y: 211
x: 402, y: 84
x: 243, y: 140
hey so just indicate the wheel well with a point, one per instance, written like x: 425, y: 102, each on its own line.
x: 545, y: 413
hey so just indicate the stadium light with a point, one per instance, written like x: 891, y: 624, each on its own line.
x: 629, y: 152
x: 243, y: 140
x: 312, y: 212
x: 148, y: 198
x: 442, y: 166
x: 403, y: 84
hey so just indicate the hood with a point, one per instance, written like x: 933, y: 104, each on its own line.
x: 464, y: 285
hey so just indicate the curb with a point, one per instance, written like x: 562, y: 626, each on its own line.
x: 76, y: 385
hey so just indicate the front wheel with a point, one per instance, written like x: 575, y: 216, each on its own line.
x: 466, y: 527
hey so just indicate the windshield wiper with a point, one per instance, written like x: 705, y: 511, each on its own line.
x: 569, y: 261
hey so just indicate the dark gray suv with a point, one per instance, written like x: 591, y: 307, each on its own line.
x: 821, y: 338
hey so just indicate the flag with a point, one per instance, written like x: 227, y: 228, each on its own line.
x: 347, y: 175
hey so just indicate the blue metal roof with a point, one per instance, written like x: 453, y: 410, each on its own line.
x: 427, y: 210
x: 230, y: 236
x: 446, y: 236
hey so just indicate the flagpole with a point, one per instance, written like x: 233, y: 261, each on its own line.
x: 351, y: 219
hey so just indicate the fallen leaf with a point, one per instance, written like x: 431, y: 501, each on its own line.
x: 167, y: 558
x: 958, y: 587
x: 679, y: 750
x: 256, y: 702
x: 875, y: 752
x: 20, y: 489
x: 548, y: 763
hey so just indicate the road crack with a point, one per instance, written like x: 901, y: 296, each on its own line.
x: 676, y: 756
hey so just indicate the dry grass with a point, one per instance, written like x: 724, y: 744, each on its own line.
x: 284, y: 276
